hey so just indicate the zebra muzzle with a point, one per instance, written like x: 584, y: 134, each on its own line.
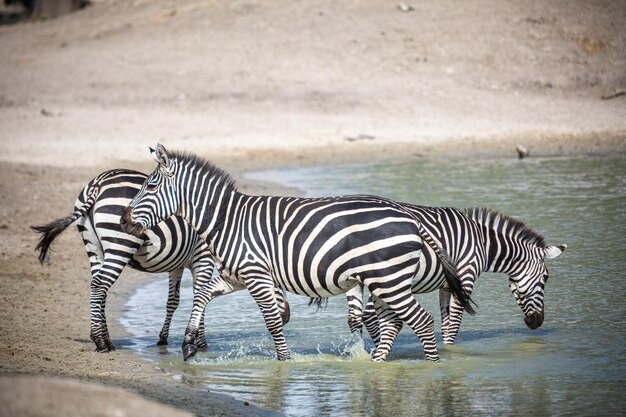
x: 534, y: 320
x: 128, y: 226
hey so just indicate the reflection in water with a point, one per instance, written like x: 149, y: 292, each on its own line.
x: 573, y: 365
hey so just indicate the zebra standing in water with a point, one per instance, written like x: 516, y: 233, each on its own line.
x: 171, y: 246
x: 477, y: 240
x: 314, y: 247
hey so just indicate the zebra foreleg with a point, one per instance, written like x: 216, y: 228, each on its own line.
x: 262, y: 290
x: 456, y: 314
x: 444, y: 308
x: 202, y: 272
x: 216, y: 287
x: 454, y: 323
x: 173, y: 299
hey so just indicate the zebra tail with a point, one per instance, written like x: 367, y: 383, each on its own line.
x: 451, y: 274
x: 50, y: 231
x: 320, y: 302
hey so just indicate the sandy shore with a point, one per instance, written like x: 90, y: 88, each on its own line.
x: 253, y: 86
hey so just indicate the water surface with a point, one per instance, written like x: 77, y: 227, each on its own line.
x: 573, y: 365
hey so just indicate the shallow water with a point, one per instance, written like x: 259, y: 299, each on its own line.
x: 573, y: 365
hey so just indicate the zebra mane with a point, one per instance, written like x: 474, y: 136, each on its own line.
x: 204, y: 166
x: 491, y: 218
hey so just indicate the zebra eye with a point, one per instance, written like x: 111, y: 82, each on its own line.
x: 151, y: 186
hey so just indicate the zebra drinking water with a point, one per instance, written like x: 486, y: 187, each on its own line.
x: 170, y: 246
x: 315, y: 247
x: 477, y: 240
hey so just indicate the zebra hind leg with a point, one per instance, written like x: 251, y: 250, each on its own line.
x: 408, y: 309
x: 388, y: 326
x: 99, y: 330
x: 355, y: 310
x: 370, y: 320
x: 173, y: 299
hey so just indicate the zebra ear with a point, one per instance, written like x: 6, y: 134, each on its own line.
x: 160, y: 155
x: 554, y: 251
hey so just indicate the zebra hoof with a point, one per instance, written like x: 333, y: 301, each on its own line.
x: 102, y: 349
x: 189, y: 351
x: 101, y: 345
x: 162, y: 342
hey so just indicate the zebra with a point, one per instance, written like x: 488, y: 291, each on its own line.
x: 477, y: 240
x: 171, y: 246
x: 314, y: 247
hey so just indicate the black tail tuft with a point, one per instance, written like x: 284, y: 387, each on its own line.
x: 454, y: 283
x: 320, y: 302
x: 49, y: 232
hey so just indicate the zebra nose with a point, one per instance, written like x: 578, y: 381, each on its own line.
x: 126, y: 220
x: 534, y: 320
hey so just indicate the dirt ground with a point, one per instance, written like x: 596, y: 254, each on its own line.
x: 251, y: 85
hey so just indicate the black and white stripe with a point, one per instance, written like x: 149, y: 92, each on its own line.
x: 314, y: 247
x: 171, y: 246
x: 477, y: 240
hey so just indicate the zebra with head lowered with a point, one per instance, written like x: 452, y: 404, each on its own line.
x: 477, y: 240
x: 314, y: 247
x: 170, y: 246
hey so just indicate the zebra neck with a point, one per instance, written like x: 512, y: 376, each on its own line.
x: 501, y: 250
x: 206, y: 208
x: 233, y: 231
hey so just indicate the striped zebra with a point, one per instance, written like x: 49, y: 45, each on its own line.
x: 171, y: 246
x: 477, y: 240
x: 315, y: 247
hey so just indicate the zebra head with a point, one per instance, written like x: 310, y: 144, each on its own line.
x: 156, y: 200
x: 527, y: 281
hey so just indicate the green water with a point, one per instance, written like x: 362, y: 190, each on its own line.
x: 575, y: 364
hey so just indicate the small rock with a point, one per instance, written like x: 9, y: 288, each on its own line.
x: 405, y: 8
x: 360, y: 137
x: 48, y: 113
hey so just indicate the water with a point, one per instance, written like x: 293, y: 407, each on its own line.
x: 574, y: 365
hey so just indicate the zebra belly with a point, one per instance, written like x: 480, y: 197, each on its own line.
x: 339, y: 269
